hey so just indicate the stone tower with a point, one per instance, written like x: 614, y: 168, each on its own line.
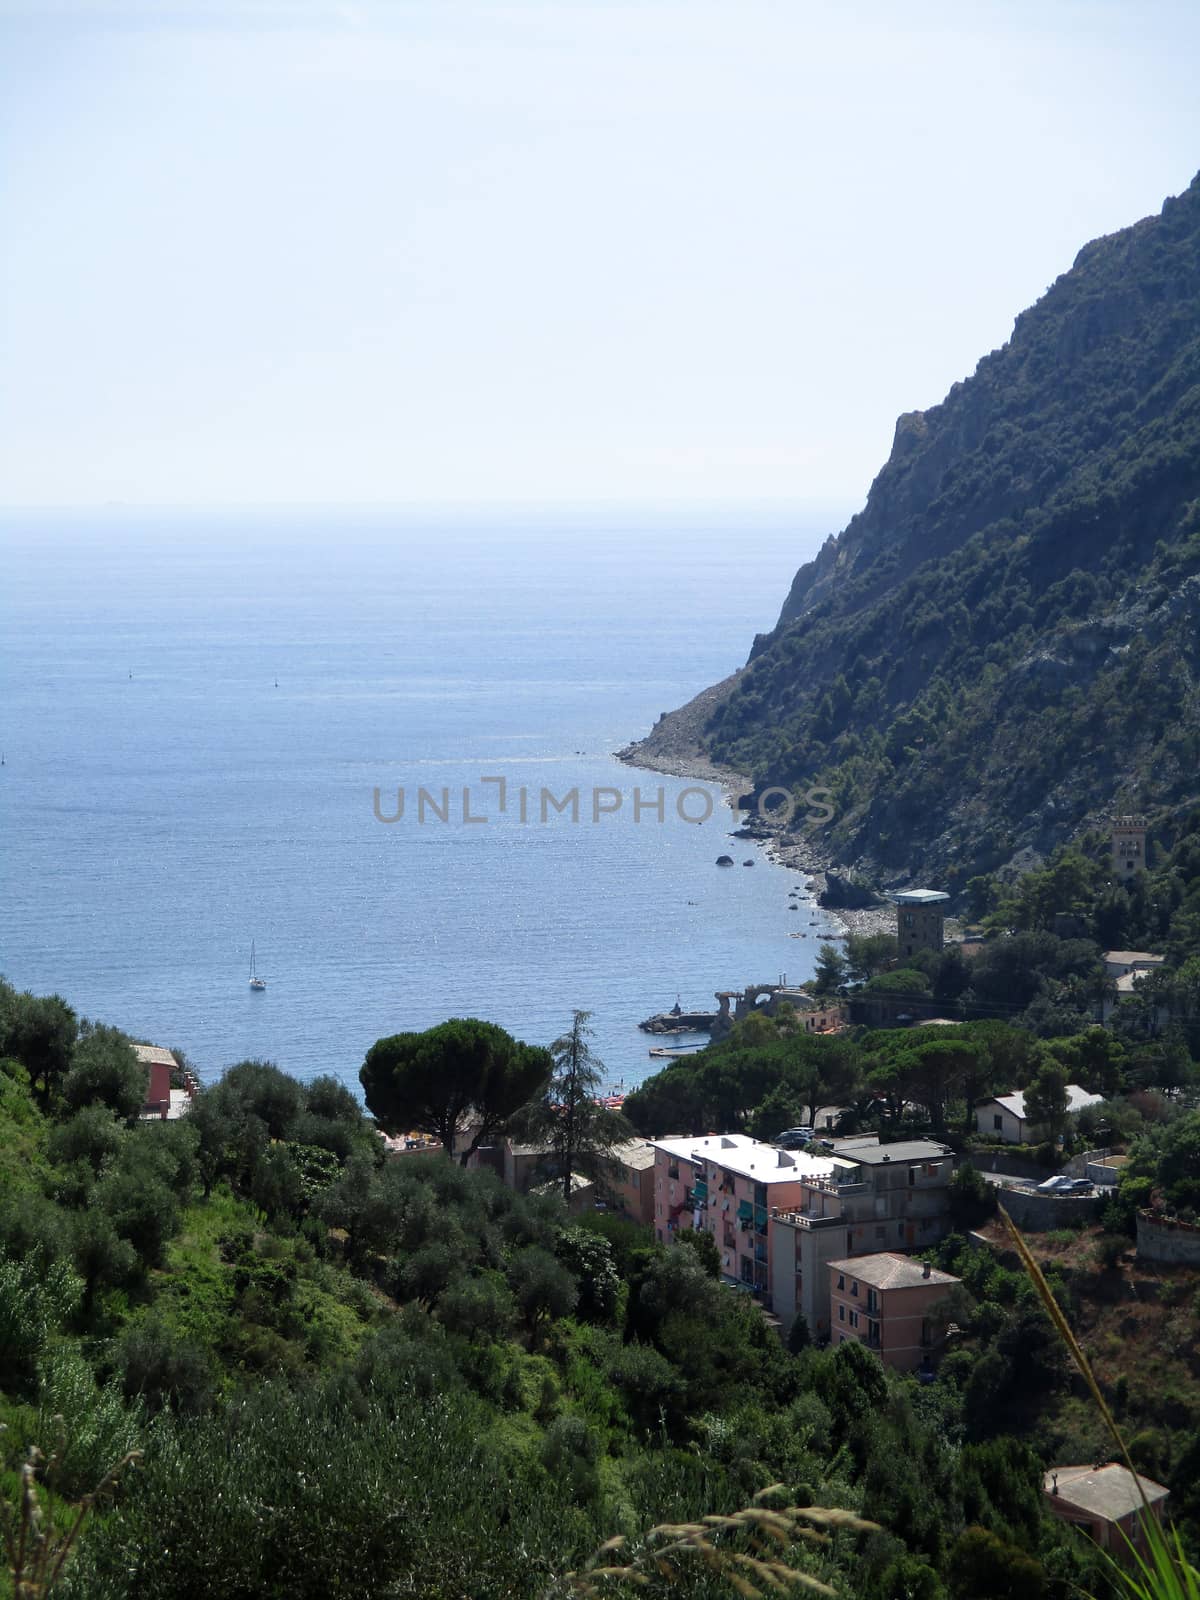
x: 919, y: 917
x: 1128, y: 847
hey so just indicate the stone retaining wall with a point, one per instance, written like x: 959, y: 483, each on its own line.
x: 1009, y: 1163
x: 1040, y: 1213
x: 1160, y: 1239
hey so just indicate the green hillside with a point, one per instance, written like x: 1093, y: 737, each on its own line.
x: 351, y: 1376
x: 1006, y: 640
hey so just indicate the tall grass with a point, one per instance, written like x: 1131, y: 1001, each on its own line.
x: 37, y: 1541
x: 744, y: 1552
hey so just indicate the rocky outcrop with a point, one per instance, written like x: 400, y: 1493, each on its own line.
x: 847, y: 894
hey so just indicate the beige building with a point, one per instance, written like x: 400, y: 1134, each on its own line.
x: 1130, y: 963
x: 1128, y: 847
x: 920, y: 919
x: 875, y: 1198
x: 632, y: 1182
x: 886, y: 1301
x: 1127, y: 968
x: 1106, y: 1503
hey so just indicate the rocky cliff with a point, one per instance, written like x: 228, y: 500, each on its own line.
x: 1006, y: 640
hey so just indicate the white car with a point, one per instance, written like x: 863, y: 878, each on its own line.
x: 1056, y: 1185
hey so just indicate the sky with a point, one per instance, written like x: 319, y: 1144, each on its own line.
x: 664, y: 252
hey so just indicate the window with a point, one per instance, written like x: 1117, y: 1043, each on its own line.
x: 841, y: 1280
x: 841, y: 1313
x: 913, y: 1174
x: 854, y: 1287
x: 854, y: 1319
x: 998, y: 1122
x: 879, y: 1231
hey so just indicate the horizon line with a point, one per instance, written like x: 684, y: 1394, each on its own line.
x: 548, y: 504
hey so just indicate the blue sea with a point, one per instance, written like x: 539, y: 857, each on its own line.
x: 198, y: 709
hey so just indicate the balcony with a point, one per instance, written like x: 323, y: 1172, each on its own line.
x: 809, y: 1219
x: 835, y: 1185
x: 745, y: 1211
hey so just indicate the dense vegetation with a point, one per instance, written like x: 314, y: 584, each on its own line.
x: 1008, y: 635
x: 1007, y: 1376
x: 383, y: 1378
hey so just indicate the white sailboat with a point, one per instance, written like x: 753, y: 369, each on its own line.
x: 255, y: 981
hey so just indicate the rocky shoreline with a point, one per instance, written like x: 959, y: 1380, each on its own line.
x: 673, y: 748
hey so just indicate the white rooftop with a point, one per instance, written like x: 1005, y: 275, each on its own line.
x: 749, y: 1158
x: 919, y: 897
x: 1077, y: 1099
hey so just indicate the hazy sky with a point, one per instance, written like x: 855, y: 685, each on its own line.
x: 414, y: 251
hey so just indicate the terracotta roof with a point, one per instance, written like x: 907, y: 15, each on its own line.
x: 154, y: 1055
x: 637, y: 1154
x: 1110, y: 1492
x: 886, y: 1270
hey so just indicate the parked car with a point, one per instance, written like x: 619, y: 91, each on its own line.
x: 1082, y: 1186
x: 1059, y: 1184
x: 793, y: 1138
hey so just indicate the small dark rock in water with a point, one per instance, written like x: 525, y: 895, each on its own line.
x: 724, y: 861
x: 747, y: 863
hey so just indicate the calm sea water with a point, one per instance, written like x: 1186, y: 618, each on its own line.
x: 164, y: 803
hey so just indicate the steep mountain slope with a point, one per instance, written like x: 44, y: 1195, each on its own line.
x: 1006, y: 640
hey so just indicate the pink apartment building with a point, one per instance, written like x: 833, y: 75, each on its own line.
x: 728, y: 1184
x: 885, y: 1301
